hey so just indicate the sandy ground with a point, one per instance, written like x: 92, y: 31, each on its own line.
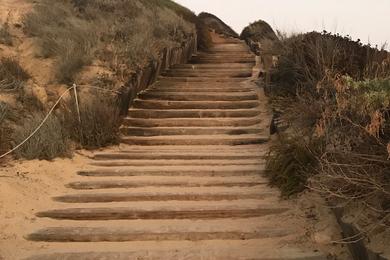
x: 25, y: 188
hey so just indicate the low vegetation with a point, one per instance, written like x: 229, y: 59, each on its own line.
x: 12, y: 75
x: 5, y: 130
x: 99, y: 121
x: 5, y: 36
x: 49, y: 142
x: 216, y: 24
x: 334, y: 94
x: 122, y: 35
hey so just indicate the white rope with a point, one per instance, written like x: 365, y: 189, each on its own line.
x: 39, y: 126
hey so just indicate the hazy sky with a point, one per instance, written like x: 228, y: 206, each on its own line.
x: 368, y: 20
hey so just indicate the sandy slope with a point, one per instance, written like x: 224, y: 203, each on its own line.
x: 25, y: 188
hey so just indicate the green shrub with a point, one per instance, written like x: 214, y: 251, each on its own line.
x: 12, y: 75
x: 49, y: 142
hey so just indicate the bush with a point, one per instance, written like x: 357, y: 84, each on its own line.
x: 12, y: 75
x: 5, y: 130
x: 49, y: 142
x: 291, y: 162
x: 5, y: 36
x: 305, y: 59
x: 335, y: 93
x: 100, y: 122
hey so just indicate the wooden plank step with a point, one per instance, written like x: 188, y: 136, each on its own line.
x: 166, y: 104
x: 253, y: 249
x: 200, y: 79
x: 173, y: 162
x: 191, y: 122
x: 213, y: 66
x: 205, y: 194
x: 207, y: 89
x: 161, y: 131
x: 168, y: 182
x: 106, y: 234
x: 129, y: 213
x: 194, y: 73
x: 196, y: 140
x: 196, y: 96
x: 191, y: 113
x: 175, y: 155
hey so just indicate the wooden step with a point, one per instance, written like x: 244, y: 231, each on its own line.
x: 134, y: 213
x: 193, y: 113
x: 211, y: 73
x: 179, y: 96
x: 191, y: 122
x: 166, y: 104
x: 173, y: 162
x: 195, y: 171
x: 209, y: 80
x: 195, y: 140
x: 161, y: 131
x: 177, y: 181
x: 175, y: 155
x: 186, y: 194
x: 134, y: 233
x: 195, y: 89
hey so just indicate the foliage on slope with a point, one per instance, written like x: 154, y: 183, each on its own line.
x: 335, y: 98
x: 259, y: 36
x: 217, y: 25
x: 123, y: 35
x: 116, y: 38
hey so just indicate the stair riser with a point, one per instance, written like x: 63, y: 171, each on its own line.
x: 167, y: 156
x: 130, y: 185
x: 204, y: 90
x: 75, y: 235
x: 173, y: 197
x: 156, y: 104
x: 199, y: 97
x: 206, y: 61
x: 195, y: 142
x: 207, y: 74
x: 193, y: 173
x: 228, y: 66
x: 114, y: 214
x: 133, y: 122
x: 185, y: 131
x: 191, y: 114
x: 208, y: 80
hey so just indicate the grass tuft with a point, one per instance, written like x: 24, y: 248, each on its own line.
x: 49, y: 142
x: 12, y: 75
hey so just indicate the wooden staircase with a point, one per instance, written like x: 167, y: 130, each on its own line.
x: 187, y: 180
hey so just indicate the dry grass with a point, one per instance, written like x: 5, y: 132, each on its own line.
x: 5, y: 130
x: 12, y: 75
x: 121, y: 34
x: 99, y: 124
x: 5, y: 35
x: 49, y: 142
